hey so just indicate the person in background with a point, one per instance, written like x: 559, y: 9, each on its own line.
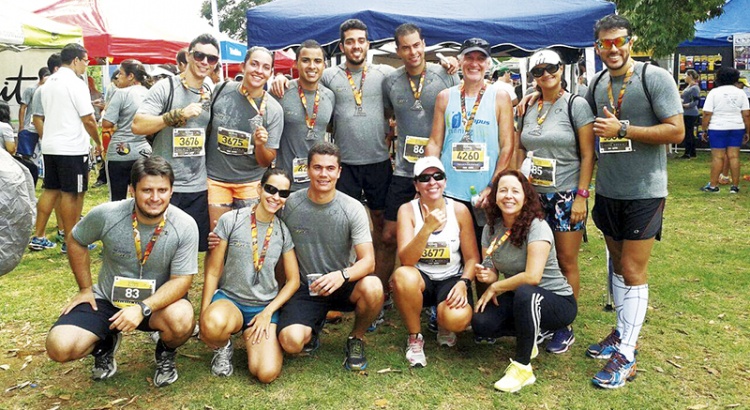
x: 690, y: 98
x: 28, y: 138
x: 181, y: 59
x: 7, y: 136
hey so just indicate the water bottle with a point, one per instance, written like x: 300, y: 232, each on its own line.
x: 479, y: 214
x: 526, y: 164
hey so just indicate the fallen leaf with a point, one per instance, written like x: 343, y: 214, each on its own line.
x: 118, y: 401
x: 4, y: 366
x: 207, y: 407
x: 658, y: 369
x: 711, y: 370
x: 65, y: 397
x: 674, y: 364
x: 382, y: 403
x: 484, y: 370
x: 678, y: 357
x: 191, y: 356
x: 684, y: 332
x: 27, y: 361
x: 363, y: 373
x: 698, y: 407
x: 711, y: 322
x: 732, y: 406
x: 721, y: 316
x: 388, y: 370
x: 55, y: 408
x: 68, y: 371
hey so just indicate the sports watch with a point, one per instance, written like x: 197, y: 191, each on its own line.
x: 145, y: 310
x: 345, y: 275
x: 623, y: 128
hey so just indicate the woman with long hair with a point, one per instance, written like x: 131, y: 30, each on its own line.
x: 690, y: 97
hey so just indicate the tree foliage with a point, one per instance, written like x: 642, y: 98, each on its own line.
x: 232, y: 18
x: 663, y: 24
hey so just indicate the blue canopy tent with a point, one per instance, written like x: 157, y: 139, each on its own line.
x: 511, y: 27
x: 718, y: 32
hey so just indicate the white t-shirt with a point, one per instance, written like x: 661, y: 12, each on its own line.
x: 65, y: 99
x: 502, y: 85
x: 726, y: 104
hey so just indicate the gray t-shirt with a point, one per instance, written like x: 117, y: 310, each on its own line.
x: 239, y: 279
x: 324, y: 235
x: 189, y: 171
x: 26, y: 98
x: 691, y: 96
x: 642, y: 172
x: 126, y: 146
x: 360, y: 138
x: 227, y: 155
x: 174, y: 253
x: 295, y: 142
x: 36, y: 107
x: 413, y: 123
x: 510, y: 260
x: 556, y: 141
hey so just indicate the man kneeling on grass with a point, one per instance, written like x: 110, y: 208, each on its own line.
x: 149, y: 258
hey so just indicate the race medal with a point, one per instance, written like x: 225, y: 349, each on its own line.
x: 542, y: 172
x: 255, y: 122
x: 414, y: 148
x: 468, y: 156
x: 417, y: 106
x: 188, y: 142
x: 487, y: 262
x: 128, y: 291
x: 536, y: 131
x: 234, y: 142
x: 299, y: 170
x: 359, y: 111
x: 310, y: 135
x: 615, y: 145
x: 436, y: 253
x: 466, y: 137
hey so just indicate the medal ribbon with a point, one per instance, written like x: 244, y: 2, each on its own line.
x: 262, y: 110
x: 204, y: 95
x: 414, y: 90
x: 497, y: 242
x: 150, y: 246
x: 622, y: 91
x: 258, y: 259
x: 309, y: 120
x: 470, y: 120
x: 357, y: 93
x: 540, y: 118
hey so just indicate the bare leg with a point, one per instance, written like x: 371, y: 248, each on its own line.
x: 407, y: 286
x: 264, y: 359
x: 567, y: 245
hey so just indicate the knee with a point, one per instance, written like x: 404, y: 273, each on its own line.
x: 212, y: 322
x: 523, y: 294
x: 372, y: 290
x: 455, y: 320
x: 481, y: 323
x: 266, y: 374
x: 389, y: 236
x: 404, y: 280
x: 60, y: 349
x: 291, y: 342
x: 180, y: 320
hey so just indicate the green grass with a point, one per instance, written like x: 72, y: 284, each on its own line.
x: 698, y: 320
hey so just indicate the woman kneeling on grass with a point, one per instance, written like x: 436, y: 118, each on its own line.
x: 243, y: 296
x: 435, y: 234
x: 533, y: 293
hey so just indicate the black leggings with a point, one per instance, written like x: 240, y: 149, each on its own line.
x: 522, y: 314
x: 118, y: 173
x: 689, y: 121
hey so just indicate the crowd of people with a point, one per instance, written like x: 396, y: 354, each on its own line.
x: 276, y: 171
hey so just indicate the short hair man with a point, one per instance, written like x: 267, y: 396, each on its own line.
x: 326, y: 227
x: 308, y: 109
x: 504, y: 82
x: 182, y: 60
x: 67, y: 125
x: 27, y: 135
x: 176, y: 109
x: 631, y: 181
x: 150, y: 256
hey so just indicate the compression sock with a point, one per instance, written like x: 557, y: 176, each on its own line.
x: 633, y: 315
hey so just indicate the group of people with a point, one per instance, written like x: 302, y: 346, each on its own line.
x: 453, y: 207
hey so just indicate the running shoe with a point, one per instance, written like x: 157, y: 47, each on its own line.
x: 355, y: 354
x: 312, y: 345
x: 166, y: 371
x: 40, y: 244
x: 616, y: 372
x: 105, y: 365
x: 154, y: 336
x: 516, y: 377
x: 446, y: 337
x: 415, y: 351
x: 64, y: 247
x: 605, y: 348
x: 709, y: 188
x: 543, y: 336
x: 221, y: 364
x: 561, y: 340
x: 432, y: 325
x: 378, y: 321
x: 485, y: 340
x: 60, y: 236
x: 734, y: 189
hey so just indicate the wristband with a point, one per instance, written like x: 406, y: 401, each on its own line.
x: 467, y: 281
x: 583, y: 193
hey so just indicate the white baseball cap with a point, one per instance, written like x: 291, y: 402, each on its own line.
x: 427, y: 162
x: 544, y: 57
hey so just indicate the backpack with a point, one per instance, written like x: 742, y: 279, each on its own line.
x: 592, y: 89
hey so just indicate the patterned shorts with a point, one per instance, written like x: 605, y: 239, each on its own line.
x: 557, y: 206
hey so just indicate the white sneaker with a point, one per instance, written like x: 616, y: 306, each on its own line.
x: 446, y: 337
x: 221, y: 364
x: 516, y: 377
x: 415, y: 351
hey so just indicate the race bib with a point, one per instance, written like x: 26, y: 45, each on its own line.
x: 469, y: 156
x: 414, y: 148
x: 188, y: 142
x: 615, y: 145
x: 234, y: 142
x: 436, y: 253
x: 128, y: 292
x: 542, y: 171
x: 299, y: 170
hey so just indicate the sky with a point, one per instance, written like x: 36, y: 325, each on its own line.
x: 178, y: 9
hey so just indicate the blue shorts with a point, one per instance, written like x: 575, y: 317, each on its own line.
x: 248, y: 312
x: 557, y: 207
x: 721, y: 139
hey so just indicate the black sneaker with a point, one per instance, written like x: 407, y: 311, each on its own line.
x: 709, y: 188
x: 105, y: 365
x: 355, y: 354
x: 166, y: 371
x: 734, y: 189
x: 312, y: 345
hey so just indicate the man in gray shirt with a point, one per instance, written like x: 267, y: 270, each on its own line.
x: 149, y: 259
x: 631, y: 182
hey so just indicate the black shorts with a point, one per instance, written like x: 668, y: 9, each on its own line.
x: 96, y: 321
x: 310, y: 311
x: 629, y: 219
x: 118, y: 175
x: 373, y: 179
x: 436, y: 291
x: 400, y: 191
x: 195, y: 204
x: 66, y: 173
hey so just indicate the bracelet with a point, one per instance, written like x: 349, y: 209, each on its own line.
x: 174, y: 118
x: 583, y: 193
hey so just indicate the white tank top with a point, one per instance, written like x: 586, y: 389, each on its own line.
x: 441, y: 258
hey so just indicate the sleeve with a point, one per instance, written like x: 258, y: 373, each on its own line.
x: 28, y: 95
x: 485, y: 236
x: 386, y: 93
x: 82, y: 100
x: 36, y: 103
x: 224, y: 227
x: 112, y: 113
x: 288, y: 244
x: 8, y: 135
x: 665, y: 97
x: 582, y: 114
x: 540, y: 231
x: 185, y: 260
x: 156, y: 98
x: 360, y: 225
x: 708, y: 106
x: 275, y: 125
x: 745, y: 102
x: 90, y: 229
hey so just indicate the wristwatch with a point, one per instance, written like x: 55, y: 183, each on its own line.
x: 345, y: 275
x: 623, y: 128
x: 145, y: 310
x: 467, y: 281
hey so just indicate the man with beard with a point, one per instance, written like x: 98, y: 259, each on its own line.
x: 176, y: 109
x: 631, y: 182
x: 150, y: 256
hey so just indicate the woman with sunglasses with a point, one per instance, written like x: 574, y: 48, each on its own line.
x: 438, y: 252
x: 561, y: 155
x: 527, y: 290
x: 240, y: 292
x: 125, y: 147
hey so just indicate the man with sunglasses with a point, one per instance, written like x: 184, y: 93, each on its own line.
x: 176, y: 110
x: 631, y: 182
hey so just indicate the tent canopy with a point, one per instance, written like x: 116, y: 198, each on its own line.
x: 718, y: 31
x: 21, y: 28
x: 509, y: 26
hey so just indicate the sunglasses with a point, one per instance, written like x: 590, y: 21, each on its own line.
x: 539, y: 71
x: 272, y: 190
x: 424, y: 178
x: 617, y: 42
x: 199, y: 56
